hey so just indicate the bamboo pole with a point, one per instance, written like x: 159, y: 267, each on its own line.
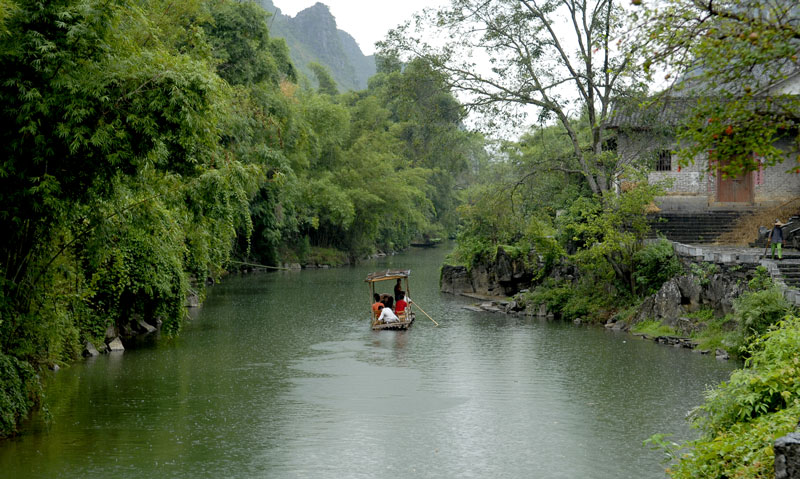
x: 261, y: 265
x: 423, y: 311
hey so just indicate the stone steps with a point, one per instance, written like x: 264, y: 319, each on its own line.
x: 694, y: 228
x: 790, y: 272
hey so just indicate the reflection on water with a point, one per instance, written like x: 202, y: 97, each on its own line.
x: 279, y: 375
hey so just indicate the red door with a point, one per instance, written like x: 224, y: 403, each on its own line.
x: 734, y: 189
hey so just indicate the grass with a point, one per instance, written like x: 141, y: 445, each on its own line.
x: 713, y: 332
x: 745, y: 230
x: 654, y: 328
x: 328, y: 256
x: 719, y: 333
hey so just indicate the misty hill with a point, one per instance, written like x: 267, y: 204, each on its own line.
x: 312, y: 36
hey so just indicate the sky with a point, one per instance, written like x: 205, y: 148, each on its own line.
x: 367, y: 21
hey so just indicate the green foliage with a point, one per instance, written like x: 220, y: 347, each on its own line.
x: 569, y: 300
x: 608, y: 233
x: 19, y: 390
x: 487, y: 221
x: 743, y: 48
x: 654, y: 328
x: 743, y: 450
x: 553, y: 294
x: 756, y: 311
x: 150, y: 143
x: 761, y: 280
x: 118, y: 182
x: 770, y: 382
x: 655, y: 264
x: 241, y: 45
x: 327, y: 85
x: 715, y: 333
x: 704, y: 272
x: 741, y: 418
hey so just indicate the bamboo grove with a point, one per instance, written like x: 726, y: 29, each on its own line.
x: 148, y: 145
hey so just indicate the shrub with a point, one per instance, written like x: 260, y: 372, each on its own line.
x: 714, y: 332
x: 758, y: 310
x: 553, y: 294
x: 569, y: 300
x: 704, y: 272
x: 742, y: 418
x: 743, y: 451
x: 761, y: 280
x: 654, y: 265
x: 19, y: 388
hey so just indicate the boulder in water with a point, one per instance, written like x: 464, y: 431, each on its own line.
x: 116, y: 345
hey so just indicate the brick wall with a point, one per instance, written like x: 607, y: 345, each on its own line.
x: 778, y: 186
x: 772, y: 185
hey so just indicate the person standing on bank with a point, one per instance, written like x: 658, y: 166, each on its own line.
x: 776, y: 240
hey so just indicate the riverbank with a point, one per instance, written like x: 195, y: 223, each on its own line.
x: 705, y: 304
x: 665, y: 336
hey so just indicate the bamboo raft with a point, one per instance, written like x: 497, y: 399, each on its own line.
x: 407, y: 317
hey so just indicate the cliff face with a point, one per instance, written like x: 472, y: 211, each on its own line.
x: 502, y: 276
x: 312, y: 36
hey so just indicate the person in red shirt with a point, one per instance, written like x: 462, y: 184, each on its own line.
x: 401, y: 304
x: 377, y: 305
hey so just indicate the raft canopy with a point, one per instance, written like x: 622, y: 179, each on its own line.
x: 387, y: 275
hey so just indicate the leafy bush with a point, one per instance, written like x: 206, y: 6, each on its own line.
x: 743, y: 451
x: 761, y: 280
x: 569, y: 301
x: 19, y: 390
x: 704, y: 272
x: 654, y: 265
x: 553, y: 294
x: 742, y: 418
x: 758, y: 310
x: 607, y: 232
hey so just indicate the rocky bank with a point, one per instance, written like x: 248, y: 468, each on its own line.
x: 500, y: 284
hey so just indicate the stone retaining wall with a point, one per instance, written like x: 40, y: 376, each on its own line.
x: 731, y: 260
x: 787, y: 456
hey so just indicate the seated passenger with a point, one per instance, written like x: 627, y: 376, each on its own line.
x: 401, y: 305
x: 387, y: 316
x: 376, y: 310
x: 385, y: 298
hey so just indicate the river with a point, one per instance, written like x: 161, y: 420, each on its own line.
x: 278, y: 375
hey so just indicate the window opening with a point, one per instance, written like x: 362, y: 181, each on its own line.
x: 664, y: 160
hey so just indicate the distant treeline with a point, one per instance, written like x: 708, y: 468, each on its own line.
x: 148, y: 145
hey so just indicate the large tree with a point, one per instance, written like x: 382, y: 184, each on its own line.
x: 731, y: 61
x: 558, y: 56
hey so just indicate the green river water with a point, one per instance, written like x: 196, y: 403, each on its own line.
x: 278, y: 375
